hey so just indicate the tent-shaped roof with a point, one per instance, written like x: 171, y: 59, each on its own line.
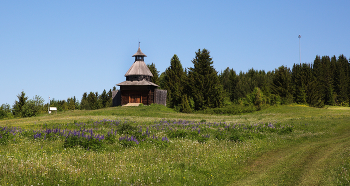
x: 139, y: 53
x: 139, y: 68
x: 143, y: 82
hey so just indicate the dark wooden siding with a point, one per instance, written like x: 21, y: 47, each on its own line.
x: 160, y: 96
x: 116, y: 97
x: 146, y: 93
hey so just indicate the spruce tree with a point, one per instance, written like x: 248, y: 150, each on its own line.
x: 314, y: 95
x: 70, y: 104
x: 92, y: 99
x: 185, y: 106
x: 327, y: 84
x: 110, y: 98
x: 206, y: 89
x: 84, y: 105
x: 18, y: 106
x: 297, y: 87
x: 232, y: 87
x: 174, y: 82
x: 282, y: 84
x: 225, y: 80
x: 342, y: 80
x: 153, y: 69
x: 228, y: 79
x: 104, y: 99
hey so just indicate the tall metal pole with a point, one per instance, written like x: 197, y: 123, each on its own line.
x: 299, y: 49
x: 48, y: 106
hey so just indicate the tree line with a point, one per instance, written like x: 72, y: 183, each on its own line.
x: 325, y: 81
x: 25, y: 107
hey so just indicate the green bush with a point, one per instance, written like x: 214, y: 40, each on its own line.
x: 203, y: 138
x: 87, y: 143
x: 285, y: 130
x: 126, y: 128
x: 177, y: 134
x: 110, y: 139
x: 221, y: 135
x: 5, y: 136
x: 236, y: 136
x: 3, y: 114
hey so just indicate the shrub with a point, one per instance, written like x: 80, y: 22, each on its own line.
x: 285, y: 130
x: 177, y: 134
x: 236, y: 136
x: 126, y: 128
x: 110, y: 138
x: 220, y: 135
x: 128, y: 141
x: 4, y: 136
x: 3, y: 114
x: 203, y: 138
x: 87, y: 142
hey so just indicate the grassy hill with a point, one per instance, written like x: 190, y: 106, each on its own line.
x: 285, y: 145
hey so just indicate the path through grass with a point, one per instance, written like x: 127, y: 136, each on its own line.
x: 316, y: 152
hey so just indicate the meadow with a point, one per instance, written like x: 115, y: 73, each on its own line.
x: 154, y: 145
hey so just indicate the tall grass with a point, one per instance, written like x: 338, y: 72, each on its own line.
x: 185, y: 160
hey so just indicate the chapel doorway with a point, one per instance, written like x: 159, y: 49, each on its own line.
x: 135, y: 98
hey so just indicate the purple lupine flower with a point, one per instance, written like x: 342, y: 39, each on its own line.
x: 271, y: 125
x: 165, y: 139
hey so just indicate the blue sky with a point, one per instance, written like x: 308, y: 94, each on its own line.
x: 63, y: 48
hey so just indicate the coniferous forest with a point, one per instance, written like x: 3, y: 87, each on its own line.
x: 325, y: 81
x: 201, y: 88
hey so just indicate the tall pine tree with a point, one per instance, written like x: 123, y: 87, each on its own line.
x: 206, y: 89
x: 20, y: 104
x: 174, y: 82
x: 327, y: 84
x: 84, y: 105
x: 342, y: 80
x: 282, y: 84
x: 155, y: 72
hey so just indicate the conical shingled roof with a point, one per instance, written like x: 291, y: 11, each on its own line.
x: 139, y: 68
x: 139, y: 53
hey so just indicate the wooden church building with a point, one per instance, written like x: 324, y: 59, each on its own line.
x: 138, y: 87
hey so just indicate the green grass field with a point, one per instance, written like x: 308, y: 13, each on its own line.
x: 285, y: 145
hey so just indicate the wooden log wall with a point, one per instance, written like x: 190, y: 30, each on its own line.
x: 116, y: 97
x: 160, y: 96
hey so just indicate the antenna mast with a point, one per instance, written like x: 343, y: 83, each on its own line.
x: 299, y: 49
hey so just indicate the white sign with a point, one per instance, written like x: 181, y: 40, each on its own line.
x: 53, y: 108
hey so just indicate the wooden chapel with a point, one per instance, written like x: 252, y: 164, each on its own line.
x: 138, y: 87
